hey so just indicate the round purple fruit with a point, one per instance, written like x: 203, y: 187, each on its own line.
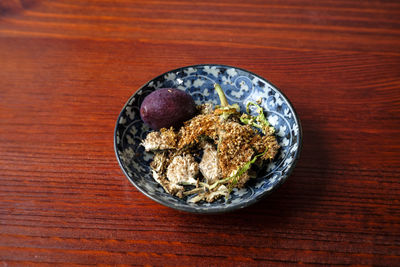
x: 167, y: 107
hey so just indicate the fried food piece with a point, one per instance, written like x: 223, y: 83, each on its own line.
x: 201, y: 125
x: 159, y: 165
x: 183, y: 169
x: 273, y: 146
x: 234, y: 148
x: 164, y: 139
x: 209, y: 166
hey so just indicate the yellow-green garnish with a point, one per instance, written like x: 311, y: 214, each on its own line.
x: 258, y: 121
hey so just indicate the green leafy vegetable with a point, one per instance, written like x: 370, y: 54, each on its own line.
x: 258, y: 121
x: 235, y: 177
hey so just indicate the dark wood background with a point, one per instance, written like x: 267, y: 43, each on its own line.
x: 68, y: 66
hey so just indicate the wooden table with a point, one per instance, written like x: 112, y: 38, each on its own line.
x: 68, y: 66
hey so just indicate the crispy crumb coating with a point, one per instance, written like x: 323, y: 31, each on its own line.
x: 236, y: 144
x: 164, y: 139
x: 183, y: 168
x: 234, y: 147
x: 201, y: 125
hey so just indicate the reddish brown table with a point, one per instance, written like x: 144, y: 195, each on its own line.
x: 68, y: 66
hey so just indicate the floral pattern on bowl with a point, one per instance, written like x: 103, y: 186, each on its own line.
x: 240, y: 87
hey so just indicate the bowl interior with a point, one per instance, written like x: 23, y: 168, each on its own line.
x: 240, y: 87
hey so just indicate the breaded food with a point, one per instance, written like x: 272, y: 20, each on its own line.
x: 183, y: 169
x: 225, y: 142
x: 194, y: 129
x: 209, y: 166
x: 164, y: 139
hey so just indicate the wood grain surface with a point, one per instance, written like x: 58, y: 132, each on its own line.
x: 68, y: 66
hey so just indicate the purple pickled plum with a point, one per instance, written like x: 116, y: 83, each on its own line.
x: 167, y: 107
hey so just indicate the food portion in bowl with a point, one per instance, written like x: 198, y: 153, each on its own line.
x: 213, y: 152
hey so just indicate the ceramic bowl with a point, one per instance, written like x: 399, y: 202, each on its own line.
x: 240, y: 87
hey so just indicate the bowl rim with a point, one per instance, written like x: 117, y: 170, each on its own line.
x: 210, y: 209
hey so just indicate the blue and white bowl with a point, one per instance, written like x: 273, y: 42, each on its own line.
x: 241, y: 87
